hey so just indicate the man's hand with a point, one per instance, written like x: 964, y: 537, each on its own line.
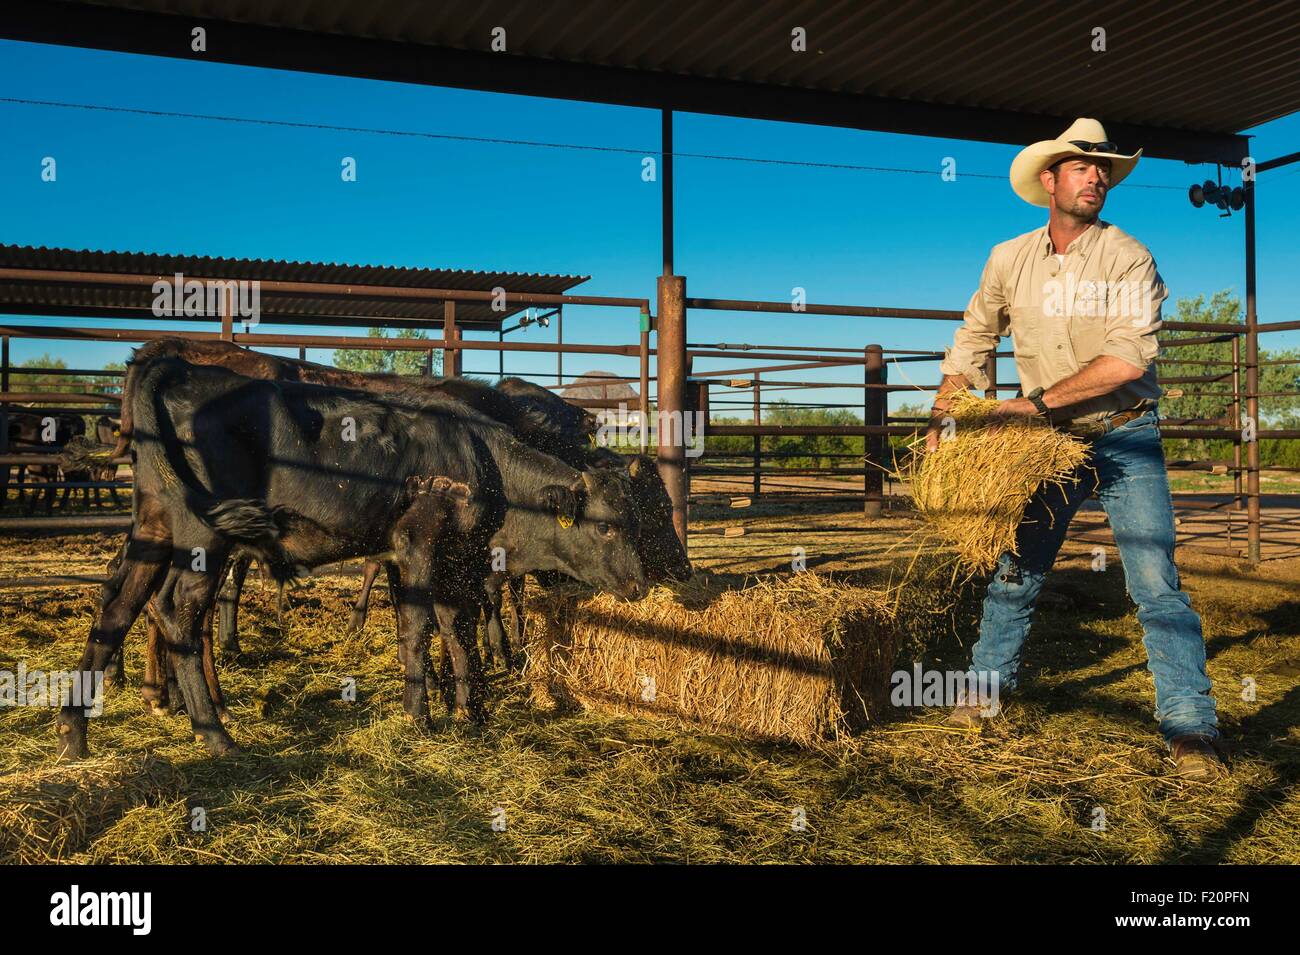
x: 932, y: 432
x: 1009, y: 407
x: 939, y: 410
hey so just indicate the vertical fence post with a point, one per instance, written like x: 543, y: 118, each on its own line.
x: 873, y: 481
x: 559, y: 340
x: 758, y: 438
x: 670, y: 368
x: 644, y: 402
x: 227, y: 315
x: 450, y: 356
x: 1252, y: 383
x: 4, y: 408
x: 1236, y: 424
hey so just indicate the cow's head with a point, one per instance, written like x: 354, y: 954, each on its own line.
x: 661, y: 550
x: 596, y: 533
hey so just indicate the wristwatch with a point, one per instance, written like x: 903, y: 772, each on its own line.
x: 1036, y: 396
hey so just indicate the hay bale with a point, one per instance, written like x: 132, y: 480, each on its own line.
x: 798, y: 659
x: 973, y: 490
x: 50, y: 813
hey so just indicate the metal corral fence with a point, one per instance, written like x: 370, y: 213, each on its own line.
x: 678, y: 388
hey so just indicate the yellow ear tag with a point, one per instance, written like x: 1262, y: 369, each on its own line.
x: 565, y: 521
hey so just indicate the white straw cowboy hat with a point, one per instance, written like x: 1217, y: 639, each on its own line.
x: 1085, y: 137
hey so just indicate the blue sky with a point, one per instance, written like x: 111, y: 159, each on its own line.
x: 744, y: 230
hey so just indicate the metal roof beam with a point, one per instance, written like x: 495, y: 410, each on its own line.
x: 95, y: 27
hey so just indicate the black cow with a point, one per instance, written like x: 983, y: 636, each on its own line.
x: 225, y: 463
x: 28, y: 434
x: 661, y: 552
x: 82, y: 460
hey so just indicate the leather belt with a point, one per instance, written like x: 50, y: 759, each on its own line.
x: 1092, y: 430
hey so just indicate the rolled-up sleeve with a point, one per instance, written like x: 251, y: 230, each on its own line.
x: 986, y: 319
x: 1133, y: 316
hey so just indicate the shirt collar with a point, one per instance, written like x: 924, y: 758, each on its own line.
x: 1081, y: 244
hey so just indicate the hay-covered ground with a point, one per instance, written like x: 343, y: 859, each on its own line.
x: 324, y: 780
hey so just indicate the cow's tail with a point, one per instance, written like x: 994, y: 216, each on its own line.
x: 140, y: 358
x: 249, y: 523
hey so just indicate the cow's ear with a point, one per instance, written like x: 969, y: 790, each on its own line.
x: 562, y: 502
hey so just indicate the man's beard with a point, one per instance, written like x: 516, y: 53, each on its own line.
x: 1085, y: 213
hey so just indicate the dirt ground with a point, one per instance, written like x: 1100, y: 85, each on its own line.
x: 1073, y: 771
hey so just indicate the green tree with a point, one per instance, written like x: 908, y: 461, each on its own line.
x: 1279, y: 384
x: 374, y: 361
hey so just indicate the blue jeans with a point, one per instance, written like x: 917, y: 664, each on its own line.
x: 1126, y: 470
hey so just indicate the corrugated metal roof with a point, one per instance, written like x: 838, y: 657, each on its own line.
x: 65, y: 297
x: 1204, y: 65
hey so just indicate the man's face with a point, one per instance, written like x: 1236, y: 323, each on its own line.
x: 1078, y: 187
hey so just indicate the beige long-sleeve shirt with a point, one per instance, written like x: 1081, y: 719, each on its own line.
x: 1102, y: 298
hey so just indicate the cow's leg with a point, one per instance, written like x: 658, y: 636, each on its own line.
x: 115, y: 669
x: 122, y: 598
x: 458, y: 624
x: 229, y: 604
x: 184, y: 608
x: 498, y: 644
x: 210, y: 666
x: 154, y: 689
x: 412, y: 603
x: 515, y: 587
x: 357, y: 622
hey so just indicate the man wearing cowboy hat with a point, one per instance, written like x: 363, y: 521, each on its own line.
x: 1081, y: 301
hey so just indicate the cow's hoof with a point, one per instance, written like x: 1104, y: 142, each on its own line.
x: 72, y: 742
x: 356, y: 623
x: 421, y: 725
x: 115, y: 676
x: 218, y: 744
x: 158, y: 709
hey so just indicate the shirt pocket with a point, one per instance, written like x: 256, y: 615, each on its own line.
x: 1026, y: 331
x: 1087, y: 335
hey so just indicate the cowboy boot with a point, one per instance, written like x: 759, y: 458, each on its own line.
x: 1195, y: 758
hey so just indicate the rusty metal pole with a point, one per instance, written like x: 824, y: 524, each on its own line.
x: 4, y: 408
x: 1252, y: 384
x: 450, y: 356
x: 666, y: 186
x: 644, y: 402
x: 227, y: 315
x: 874, y: 444
x: 758, y: 439
x: 1236, y: 422
x: 670, y: 369
x: 670, y: 345
x: 559, y: 340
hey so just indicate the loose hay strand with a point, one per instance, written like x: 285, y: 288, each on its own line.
x: 973, y: 490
